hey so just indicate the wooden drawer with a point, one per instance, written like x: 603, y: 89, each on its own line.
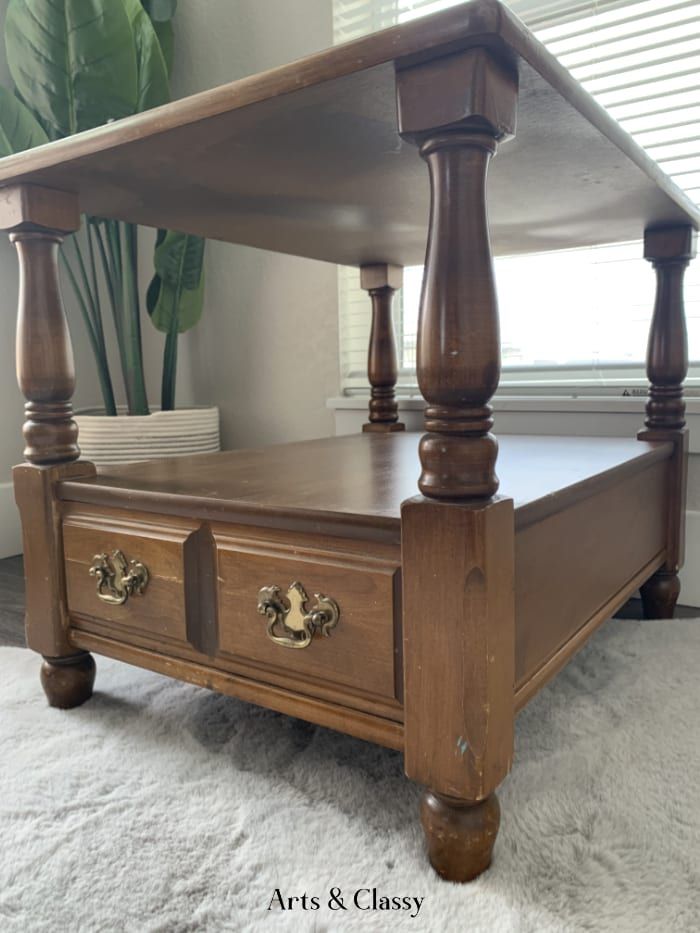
x: 164, y: 549
x: 201, y: 600
x: 359, y: 652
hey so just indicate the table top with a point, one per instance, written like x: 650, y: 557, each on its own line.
x: 358, y: 479
x: 306, y: 159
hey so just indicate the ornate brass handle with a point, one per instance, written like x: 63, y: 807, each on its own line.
x: 289, y: 622
x: 117, y: 578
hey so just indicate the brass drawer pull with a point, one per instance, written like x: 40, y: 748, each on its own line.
x: 289, y: 623
x: 117, y: 578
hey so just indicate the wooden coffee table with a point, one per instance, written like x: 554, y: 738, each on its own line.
x: 312, y: 578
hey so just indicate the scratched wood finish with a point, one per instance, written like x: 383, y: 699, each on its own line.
x: 459, y: 637
x: 669, y: 250
x: 201, y: 601
x: 458, y: 357
x: 554, y: 599
x: 458, y: 563
x: 305, y: 159
x: 370, y: 728
x: 359, y: 652
x: 36, y: 219
x: 460, y: 836
x: 158, y: 544
x: 353, y: 484
x: 69, y: 681
x: 282, y: 161
x: 381, y: 282
x: 335, y: 694
x: 31, y: 207
x: 46, y: 618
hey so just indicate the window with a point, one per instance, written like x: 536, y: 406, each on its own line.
x: 641, y: 60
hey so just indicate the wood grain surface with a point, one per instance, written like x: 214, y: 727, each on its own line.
x: 381, y: 282
x: 283, y: 159
x: 359, y: 652
x: 669, y: 250
x: 46, y: 616
x: 354, y: 480
x: 459, y: 636
x: 570, y: 563
x: 159, y: 544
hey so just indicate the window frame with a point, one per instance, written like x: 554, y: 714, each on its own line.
x: 575, y: 379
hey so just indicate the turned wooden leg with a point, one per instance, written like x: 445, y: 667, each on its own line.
x: 68, y: 682
x: 381, y: 281
x: 37, y: 218
x: 460, y: 835
x: 660, y: 594
x: 457, y: 539
x: 669, y: 249
x: 458, y: 353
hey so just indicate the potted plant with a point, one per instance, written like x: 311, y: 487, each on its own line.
x: 77, y: 65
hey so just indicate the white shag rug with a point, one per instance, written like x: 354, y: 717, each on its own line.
x: 162, y: 807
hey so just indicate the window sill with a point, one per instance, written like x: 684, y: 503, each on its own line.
x: 522, y: 414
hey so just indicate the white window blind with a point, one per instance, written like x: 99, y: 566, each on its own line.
x: 641, y: 60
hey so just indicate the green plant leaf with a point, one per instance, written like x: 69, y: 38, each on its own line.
x: 19, y: 129
x: 160, y: 11
x: 177, y: 289
x: 166, y: 37
x: 47, y: 129
x: 178, y: 259
x: 188, y: 304
x: 153, y: 87
x: 73, y: 61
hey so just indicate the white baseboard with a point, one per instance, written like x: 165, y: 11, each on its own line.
x: 690, y: 577
x: 10, y: 530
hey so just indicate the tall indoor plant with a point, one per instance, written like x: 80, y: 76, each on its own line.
x: 76, y: 65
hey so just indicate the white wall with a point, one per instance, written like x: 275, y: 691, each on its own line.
x: 250, y: 355
x: 248, y: 347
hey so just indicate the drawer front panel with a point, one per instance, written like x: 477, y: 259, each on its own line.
x: 201, y: 600
x: 158, y: 611
x: 359, y: 651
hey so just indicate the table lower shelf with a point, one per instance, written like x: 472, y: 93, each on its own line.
x: 211, y: 537
x: 352, y: 484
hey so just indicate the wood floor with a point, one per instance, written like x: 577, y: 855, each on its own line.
x: 12, y: 604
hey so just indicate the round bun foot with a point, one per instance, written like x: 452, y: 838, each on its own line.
x: 460, y: 835
x: 660, y: 594
x: 68, y: 682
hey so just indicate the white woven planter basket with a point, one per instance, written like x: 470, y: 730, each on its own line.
x: 131, y: 438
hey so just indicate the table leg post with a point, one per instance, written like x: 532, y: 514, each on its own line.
x: 382, y: 281
x: 458, y: 541
x: 669, y: 249
x: 459, y: 661
x: 36, y: 219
